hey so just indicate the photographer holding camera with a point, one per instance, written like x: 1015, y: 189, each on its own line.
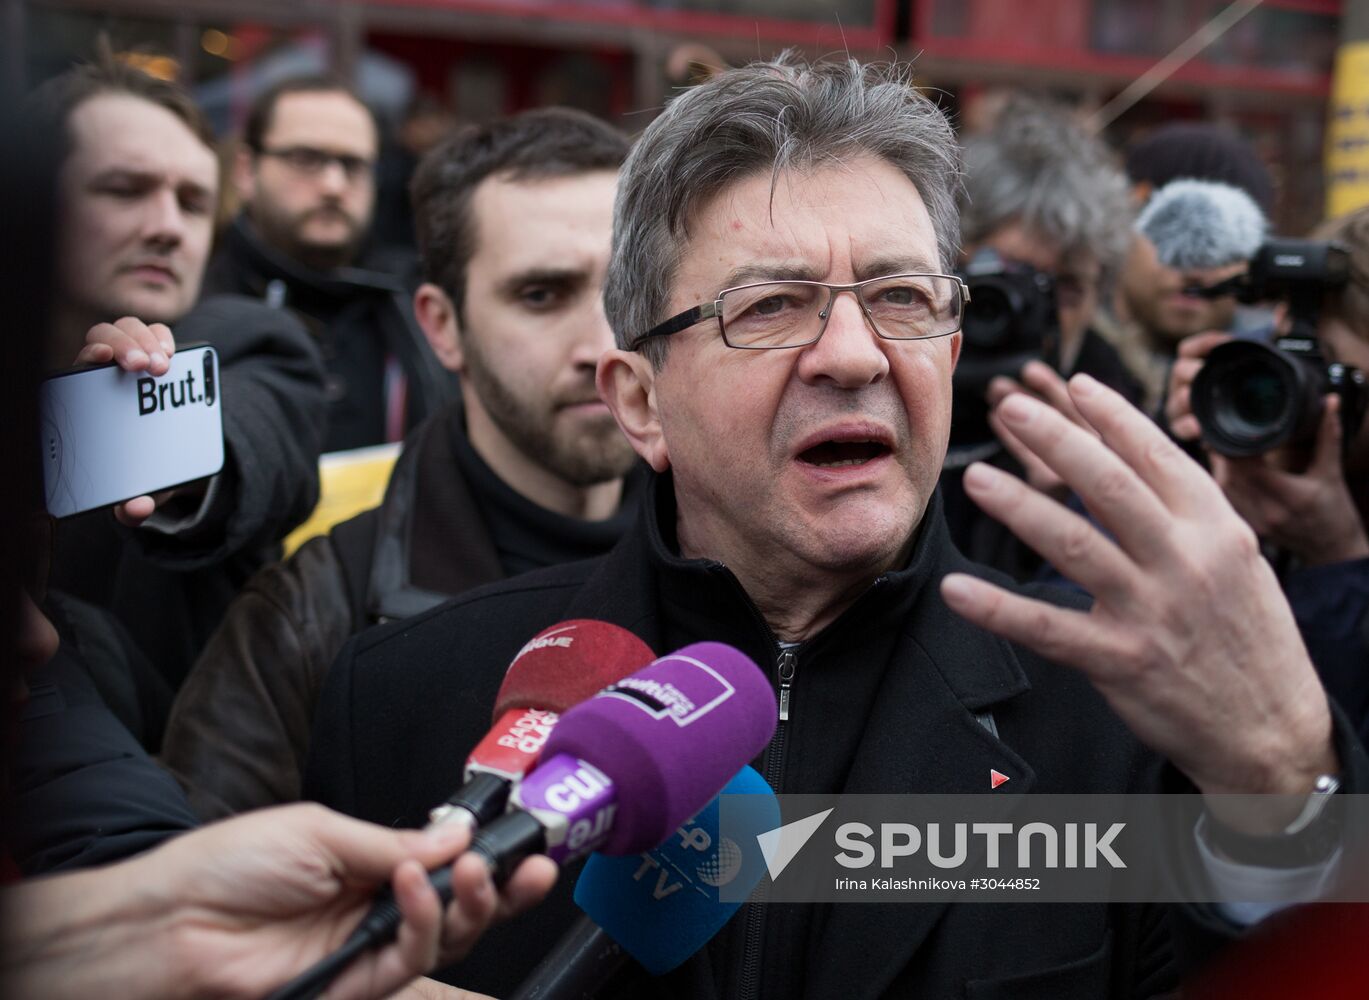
x: 1284, y: 428
x: 1205, y: 241
x: 1044, y: 228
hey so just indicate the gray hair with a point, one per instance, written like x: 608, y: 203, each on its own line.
x: 768, y: 116
x: 1038, y: 168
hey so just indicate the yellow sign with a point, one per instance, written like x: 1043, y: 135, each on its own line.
x: 1347, y: 133
x: 349, y: 482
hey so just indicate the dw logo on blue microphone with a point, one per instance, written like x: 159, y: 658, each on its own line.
x: 664, y: 905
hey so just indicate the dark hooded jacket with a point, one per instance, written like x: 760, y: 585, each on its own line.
x: 382, y: 378
x: 169, y: 589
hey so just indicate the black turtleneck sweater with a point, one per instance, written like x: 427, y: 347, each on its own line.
x: 527, y: 536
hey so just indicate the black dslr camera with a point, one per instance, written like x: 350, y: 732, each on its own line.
x: 1250, y: 397
x: 1011, y: 318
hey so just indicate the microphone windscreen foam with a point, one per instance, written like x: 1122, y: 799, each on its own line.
x: 572, y: 660
x: 664, y: 905
x: 1202, y: 224
x: 669, y: 737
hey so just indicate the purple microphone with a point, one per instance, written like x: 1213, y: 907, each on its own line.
x: 574, y: 802
x: 622, y: 770
x: 617, y: 775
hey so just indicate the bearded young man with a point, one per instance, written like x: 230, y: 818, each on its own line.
x: 786, y: 336
x: 527, y: 470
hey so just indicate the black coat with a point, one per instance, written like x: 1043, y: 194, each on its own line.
x: 82, y: 792
x: 360, y: 317
x: 892, y: 697
x: 170, y: 591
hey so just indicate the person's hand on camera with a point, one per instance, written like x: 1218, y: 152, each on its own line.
x: 1190, y: 638
x: 1043, y: 382
x: 240, y: 907
x: 1309, y: 513
x: 134, y: 346
x: 1193, y: 351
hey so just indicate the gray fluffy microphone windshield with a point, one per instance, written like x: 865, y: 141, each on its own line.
x: 1202, y: 224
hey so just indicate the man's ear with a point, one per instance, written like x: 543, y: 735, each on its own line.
x: 627, y: 383
x: 957, y: 342
x: 245, y: 173
x: 437, y: 318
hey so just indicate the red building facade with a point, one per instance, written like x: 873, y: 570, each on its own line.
x: 1268, y: 74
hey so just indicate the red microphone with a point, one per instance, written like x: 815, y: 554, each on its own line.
x: 559, y: 667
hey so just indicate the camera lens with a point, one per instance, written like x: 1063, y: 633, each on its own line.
x: 989, y: 319
x: 1258, y: 399
x: 1250, y: 398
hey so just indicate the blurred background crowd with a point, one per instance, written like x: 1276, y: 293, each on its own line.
x: 427, y: 63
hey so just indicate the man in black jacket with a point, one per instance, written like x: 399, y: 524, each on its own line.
x: 527, y: 471
x: 139, y: 184
x: 305, y: 174
x: 786, y: 339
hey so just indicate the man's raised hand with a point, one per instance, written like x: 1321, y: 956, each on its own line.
x: 1190, y: 638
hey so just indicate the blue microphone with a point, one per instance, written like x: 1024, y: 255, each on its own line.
x: 663, y: 906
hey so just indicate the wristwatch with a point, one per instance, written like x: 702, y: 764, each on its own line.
x: 1310, y: 839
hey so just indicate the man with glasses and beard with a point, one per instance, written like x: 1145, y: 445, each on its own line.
x: 305, y: 175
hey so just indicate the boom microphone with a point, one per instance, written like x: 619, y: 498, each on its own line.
x: 559, y: 667
x: 618, y: 774
x: 663, y: 906
x: 1201, y: 224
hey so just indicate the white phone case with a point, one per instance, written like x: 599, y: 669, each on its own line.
x: 110, y: 435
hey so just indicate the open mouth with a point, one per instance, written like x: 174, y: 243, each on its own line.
x: 839, y: 454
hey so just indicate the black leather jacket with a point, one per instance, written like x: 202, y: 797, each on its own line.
x: 239, y: 728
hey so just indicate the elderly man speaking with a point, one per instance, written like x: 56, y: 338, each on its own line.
x: 787, y: 332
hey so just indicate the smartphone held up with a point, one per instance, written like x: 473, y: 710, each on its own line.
x: 109, y: 435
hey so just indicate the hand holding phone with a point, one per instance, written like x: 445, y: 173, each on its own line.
x: 131, y: 344
x: 134, y: 346
x: 109, y: 435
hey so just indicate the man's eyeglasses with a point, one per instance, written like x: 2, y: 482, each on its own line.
x: 771, y: 315
x: 310, y: 161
